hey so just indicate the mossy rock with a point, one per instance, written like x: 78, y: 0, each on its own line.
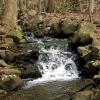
x: 8, y: 71
x: 69, y: 26
x: 7, y: 42
x: 54, y: 20
x: 37, y: 19
x: 55, y: 29
x: 10, y: 82
x: 85, y: 33
x: 4, y: 64
x: 84, y: 95
x: 83, y: 51
x: 2, y: 54
x: 16, y: 35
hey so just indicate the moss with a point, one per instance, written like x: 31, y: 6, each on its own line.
x: 16, y: 35
x: 84, y: 95
x: 85, y: 33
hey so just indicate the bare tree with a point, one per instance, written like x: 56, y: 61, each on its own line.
x: 9, y: 17
x: 91, y: 8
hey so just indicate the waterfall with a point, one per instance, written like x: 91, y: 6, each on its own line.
x: 56, y: 61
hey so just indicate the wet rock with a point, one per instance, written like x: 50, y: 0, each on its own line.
x: 9, y: 77
x: 28, y: 70
x: 2, y: 54
x: 85, y: 34
x: 27, y: 56
x: 96, y: 79
x: 4, y: 64
x: 89, y: 53
x: 11, y: 71
x: 84, y: 95
x: 3, y: 92
x: 83, y: 51
x: 90, y: 70
x: 10, y: 82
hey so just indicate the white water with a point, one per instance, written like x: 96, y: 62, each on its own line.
x: 55, y: 64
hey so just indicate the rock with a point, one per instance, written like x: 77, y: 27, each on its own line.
x: 96, y: 79
x: 54, y: 20
x: 84, y: 95
x: 37, y: 19
x: 2, y: 54
x: 83, y: 51
x: 4, y: 64
x: 16, y: 35
x: 10, y: 82
x: 7, y: 43
x: 89, y: 53
x: 11, y: 71
x: 27, y: 56
x: 90, y: 69
x: 3, y: 92
x: 55, y: 28
x: 10, y: 55
x: 96, y: 42
x: 85, y: 34
x: 28, y: 70
x: 69, y: 27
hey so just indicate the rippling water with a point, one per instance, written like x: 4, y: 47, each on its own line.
x: 56, y: 61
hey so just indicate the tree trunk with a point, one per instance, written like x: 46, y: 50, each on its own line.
x: 39, y: 7
x: 51, y: 6
x: 91, y: 6
x: 9, y: 17
x: 91, y: 9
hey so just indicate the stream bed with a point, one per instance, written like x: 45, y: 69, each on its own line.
x: 56, y: 90
x: 58, y: 66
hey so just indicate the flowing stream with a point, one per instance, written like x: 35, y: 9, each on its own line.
x: 56, y: 61
x: 57, y: 64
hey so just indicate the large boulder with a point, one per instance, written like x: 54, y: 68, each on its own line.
x: 84, y: 95
x: 9, y: 77
x: 69, y: 27
x: 37, y: 19
x: 55, y: 28
x: 10, y: 82
x: 16, y: 35
x: 85, y: 34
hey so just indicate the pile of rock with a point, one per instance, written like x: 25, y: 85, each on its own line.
x: 17, y: 60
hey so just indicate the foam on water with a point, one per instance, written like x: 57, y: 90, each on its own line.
x: 55, y: 64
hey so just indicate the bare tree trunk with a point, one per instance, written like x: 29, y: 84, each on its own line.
x: 91, y: 9
x: 39, y: 7
x: 10, y: 13
x: 51, y: 6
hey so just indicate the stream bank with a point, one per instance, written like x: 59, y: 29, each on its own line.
x: 83, y: 38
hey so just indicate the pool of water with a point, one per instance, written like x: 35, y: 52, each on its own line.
x: 56, y: 90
